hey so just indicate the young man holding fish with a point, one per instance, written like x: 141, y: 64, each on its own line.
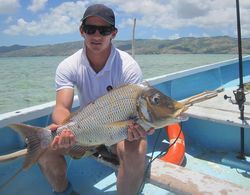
x: 93, y: 70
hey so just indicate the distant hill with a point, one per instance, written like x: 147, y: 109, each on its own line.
x: 186, y: 45
x: 5, y: 49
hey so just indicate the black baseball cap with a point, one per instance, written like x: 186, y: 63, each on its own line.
x: 101, y: 11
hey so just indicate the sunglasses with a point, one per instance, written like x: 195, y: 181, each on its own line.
x: 103, y: 30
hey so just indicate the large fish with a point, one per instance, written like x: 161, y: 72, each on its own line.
x: 106, y: 120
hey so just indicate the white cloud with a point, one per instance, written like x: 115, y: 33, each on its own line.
x: 37, y: 5
x: 216, y: 15
x: 156, y: 37
x: 177, y: 14
x: 8, y: 6
x: 205, y: 35
x: 63, y: 19
x: 174, y: 36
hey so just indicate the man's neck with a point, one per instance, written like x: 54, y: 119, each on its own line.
x: 98, y: 60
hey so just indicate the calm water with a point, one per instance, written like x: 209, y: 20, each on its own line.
x: 28, y: 81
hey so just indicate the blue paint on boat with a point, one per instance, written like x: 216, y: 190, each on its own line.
x: 211, y: 147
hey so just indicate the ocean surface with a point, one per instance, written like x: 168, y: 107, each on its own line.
x: 29, y: 81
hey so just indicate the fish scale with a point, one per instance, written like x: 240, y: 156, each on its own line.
x: 104, y: 111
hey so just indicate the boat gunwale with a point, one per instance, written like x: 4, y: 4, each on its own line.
x: 40, y: 110
x: 175, y: 75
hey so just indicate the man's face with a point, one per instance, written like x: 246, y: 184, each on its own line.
x: 98, y: 34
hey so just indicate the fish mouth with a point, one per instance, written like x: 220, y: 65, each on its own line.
x: 182, y: 117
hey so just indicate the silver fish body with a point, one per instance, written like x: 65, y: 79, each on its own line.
x: 106, y: 120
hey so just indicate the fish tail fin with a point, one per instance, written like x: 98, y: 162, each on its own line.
x: 37, y: 140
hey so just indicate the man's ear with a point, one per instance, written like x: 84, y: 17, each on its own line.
x: 114, y: 33
x: 81, y: 31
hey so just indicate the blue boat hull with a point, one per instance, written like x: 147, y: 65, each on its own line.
x: 210, y: 146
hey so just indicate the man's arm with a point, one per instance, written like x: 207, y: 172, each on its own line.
x: 64, y: 100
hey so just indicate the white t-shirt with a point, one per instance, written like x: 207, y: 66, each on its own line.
x: 75, y: 71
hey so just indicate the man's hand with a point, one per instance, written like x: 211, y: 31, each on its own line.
x: 136, y: 132
x: 65, y: 140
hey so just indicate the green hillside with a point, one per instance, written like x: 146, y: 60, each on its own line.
x: 186, y: 45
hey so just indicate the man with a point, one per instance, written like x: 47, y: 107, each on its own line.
x: 94, y: 69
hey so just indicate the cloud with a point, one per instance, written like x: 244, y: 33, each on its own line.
x: 37, y: 5
x: 156, y: 37
x: 61, y: 20
x: 190, y: 9
x: 9, y: 6
x: 210, y: 15
x: 178, y: 14
x: 174, y: 36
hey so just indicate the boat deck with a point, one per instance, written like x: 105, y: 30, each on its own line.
x: 90, y: 176
x: 87, y: 176
x: 218, y: 109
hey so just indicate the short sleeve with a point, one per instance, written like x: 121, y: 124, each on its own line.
x: 64, y: 77
x: 133, y: 73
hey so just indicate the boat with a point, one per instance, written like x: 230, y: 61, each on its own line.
x: 216, y: 158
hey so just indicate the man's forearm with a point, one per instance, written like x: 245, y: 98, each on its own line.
x: 59, y: 115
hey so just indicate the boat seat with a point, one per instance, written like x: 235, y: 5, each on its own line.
x: 219, y: 109
x: 182, y: 180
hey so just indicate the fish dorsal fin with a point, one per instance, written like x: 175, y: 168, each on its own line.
x: 119, y: 124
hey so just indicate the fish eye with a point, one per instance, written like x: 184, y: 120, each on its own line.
x: 155, y: 99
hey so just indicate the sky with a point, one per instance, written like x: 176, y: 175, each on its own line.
x: 39, y: 22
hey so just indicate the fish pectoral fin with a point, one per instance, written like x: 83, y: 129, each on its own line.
x: 119, y: 124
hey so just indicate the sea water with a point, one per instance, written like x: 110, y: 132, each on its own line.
x: 29, y: 81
